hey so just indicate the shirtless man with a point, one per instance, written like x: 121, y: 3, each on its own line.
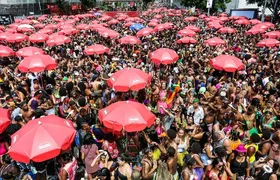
x: 209, y: 117
x: 249, y: 118
x: 224, y: 111
x: 172, y: 162
x: 189, y: 77
x: 26, y: 111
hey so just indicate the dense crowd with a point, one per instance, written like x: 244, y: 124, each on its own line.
x: 218, y: 125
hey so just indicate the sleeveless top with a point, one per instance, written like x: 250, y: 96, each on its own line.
x: 181, y: 147
x: 119, y: 175
x: 238, y: 168
x: 70, y: 168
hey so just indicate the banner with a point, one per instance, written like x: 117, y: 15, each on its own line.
x: 129, y: 13
x: 76, y: 6
x: 209, y: 3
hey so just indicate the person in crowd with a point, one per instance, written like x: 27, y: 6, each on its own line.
x: 89, y: 151
x: 123, y: 171
x: 211, y: 121
x: 69, y: 166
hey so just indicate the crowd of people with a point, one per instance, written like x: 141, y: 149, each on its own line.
x: 220, y: 125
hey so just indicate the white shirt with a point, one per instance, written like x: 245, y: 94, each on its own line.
x: 198, y: 114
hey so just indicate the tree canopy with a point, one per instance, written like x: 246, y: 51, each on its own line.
x: 201, y: 4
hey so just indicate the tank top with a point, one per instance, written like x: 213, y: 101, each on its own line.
x: 239, y: 168
x: 181, y: 147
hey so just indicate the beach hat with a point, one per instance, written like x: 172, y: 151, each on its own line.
x: 241, y: 148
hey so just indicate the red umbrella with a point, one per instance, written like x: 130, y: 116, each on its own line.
x: 128, y: 24
x: 154, y: 20
x: 6, y: 51
x: 214, y: 41
x: 129, y: 79
x: 188, y: 19
x: 51, y: 26
x: 11, y: 30
x: 4, y: 35
x: 39, y: 37
x: 42, y: 139
x: 255, y: 21
x: 39, y: 26
x: 37, y: 63
x: 216, y: 21
x: 186, y: 32
x: 202, y: 16
x: 223, y: 19
x: 42, y: 18
x: 215, y: 25
x: 68, y: 31
x: 255, y: 31
x: 158, y: 16
x: 83, y: 27
x: 58, y: 40
x: 128, y: 115
x: 268, y: 43
x: 5, y: 120
x: 152, y: 24
x: 269, y: 24
x: 96, y: 49
x: 272, y: 34
x: 25, y: 28
x: 228, y: 30
x: 14, y: 25
x: 2, y: 27
x: 130, y: 40
x: 29, y: 51
x: 113, y: 21
x: 227, y: 63
x: 193, y: 28
x: 186, y: 40
x: 161, y: 27
x: 243, y: 22
x: 27, y: 21
x: 261, y: 26
x: 16, y: 38
x: 109, y: 33
x: 144, y: 32
x: 164, y: 56
x: 45, y: 31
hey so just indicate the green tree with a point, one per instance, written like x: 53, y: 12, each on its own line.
x: 63, y: 6
x: 86, y: 4
x: 201, y: 4
x: 272, y: 5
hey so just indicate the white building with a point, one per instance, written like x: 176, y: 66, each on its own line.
x: 242, y: 4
